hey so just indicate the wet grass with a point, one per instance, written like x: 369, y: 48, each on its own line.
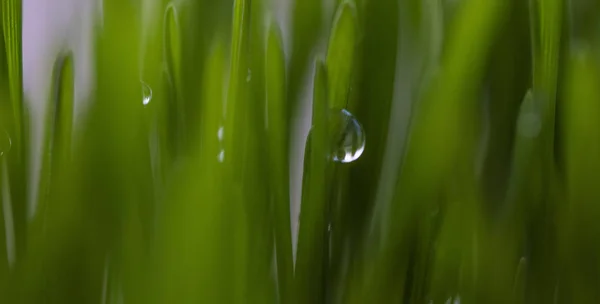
x: 476, y: 183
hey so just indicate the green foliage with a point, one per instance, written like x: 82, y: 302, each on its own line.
x: 175, y: 187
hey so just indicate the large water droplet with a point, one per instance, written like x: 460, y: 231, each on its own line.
x: 146, y: 93
x: 5, y: 143
x: 348, y: 137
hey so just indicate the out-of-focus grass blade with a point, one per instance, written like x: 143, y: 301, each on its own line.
x: 12, y: 27
x: 311, y: 259
x: 17, y: 164
x: 525, y: 176
x: 58, y: 127
x: 341, y: 55
x: 373, y: 93
x: 445, y: 120
x: 237, y: 156
x: 277, y: 132
x: 237, y: 74
x: 546, y: 25
x: 546, y: 31
x: 307, y: 25
x: 192, y: 238
x: 579, y: 229
x: 509, y: 77
x: 172, y: 56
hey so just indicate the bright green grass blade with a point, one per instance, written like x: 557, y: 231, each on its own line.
x: 237, y: 134
x: 256, y: 171
x: 278, y: 154
x: 238, y: 71
x: 192, y: 236
x: 579, y: 228
x: 311, y: 259
x: 341, y: 55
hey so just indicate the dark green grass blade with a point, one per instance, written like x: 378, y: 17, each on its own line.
x: 306, y: 29
x: 12, y: 28
x: 546, y: 19
x: 578, y: 228
x: 311, y: 259
x: 444, y: 121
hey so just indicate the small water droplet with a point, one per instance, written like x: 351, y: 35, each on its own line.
x: 220, y: 133
x: 249, y: 76
x: 146, y: 93
x: 456, y: 299
x: 5, y: 143
x: 348, y: 137
x: 221, y: 156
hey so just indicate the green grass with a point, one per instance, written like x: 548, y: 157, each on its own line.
x: 186, y: 198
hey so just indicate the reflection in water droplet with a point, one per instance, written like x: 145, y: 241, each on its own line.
x: 348, y: 137
x: 146, y: 93
x: 221, y: 156
x: 249, y: 76
x: 5, y: 143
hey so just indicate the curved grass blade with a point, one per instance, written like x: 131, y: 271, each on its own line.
x: 312, y: 256
x: 277, y: 131
x: 341, y: 55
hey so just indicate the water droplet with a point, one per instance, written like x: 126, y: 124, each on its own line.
x: 456, y: 299
x: 221, y: 156
x: 249, y: 76
x: 220, y: 133
x: 5, y: 143
x: 146, y: 93
x: 348, y: 137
